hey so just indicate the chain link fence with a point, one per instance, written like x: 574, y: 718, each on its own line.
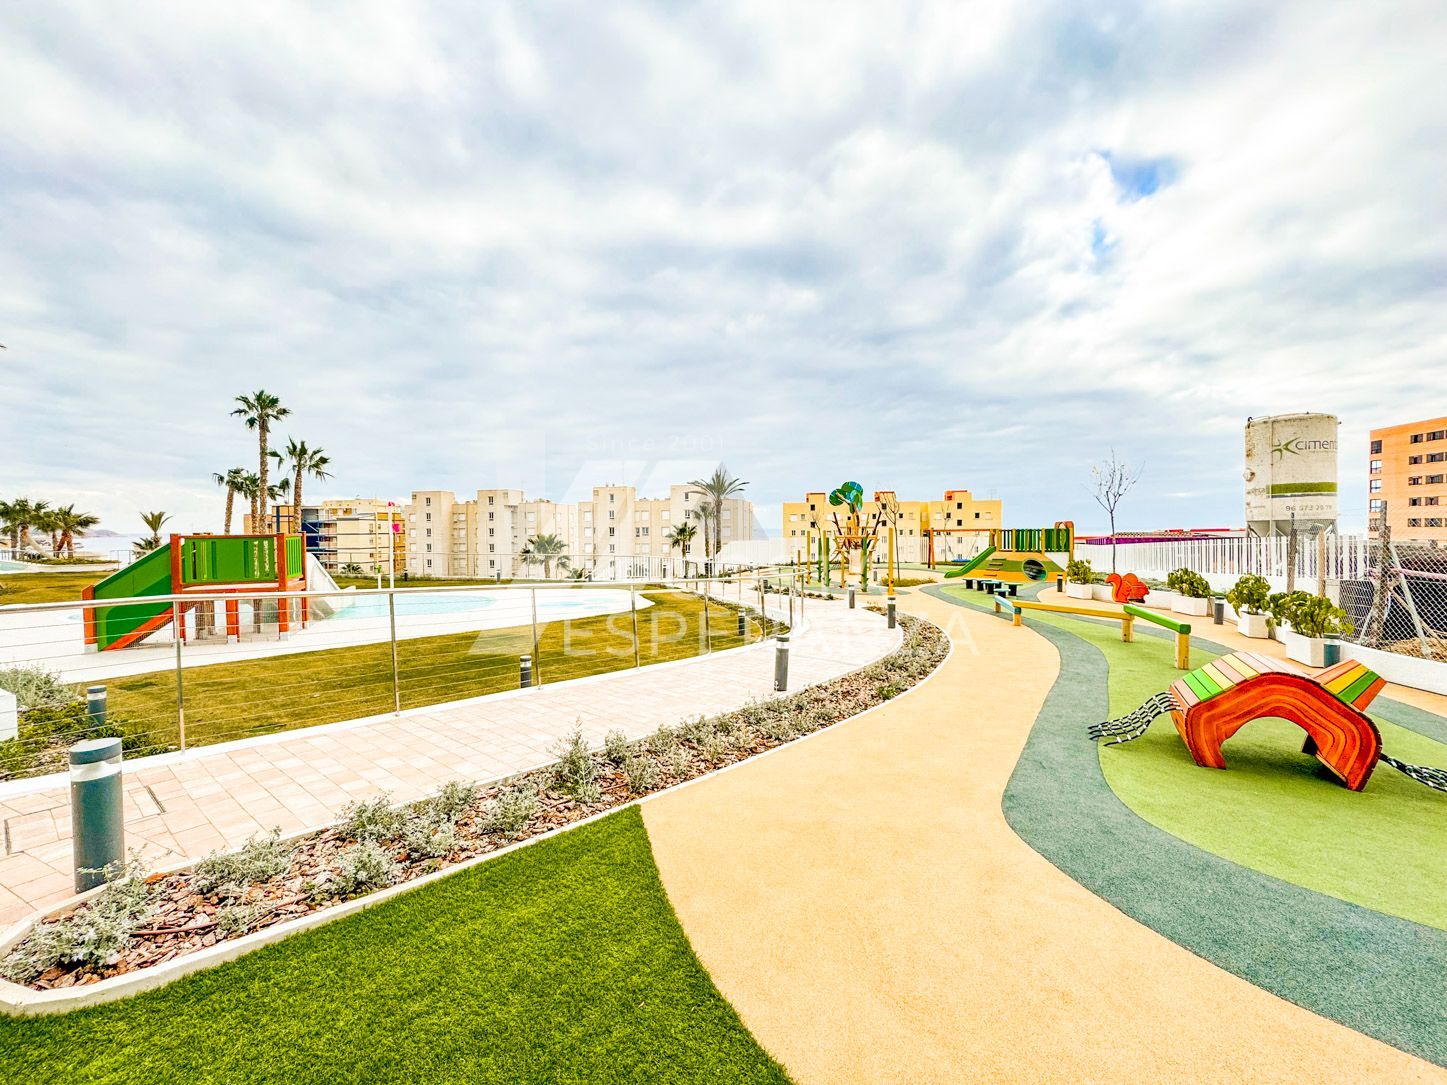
x: 1401, y: 606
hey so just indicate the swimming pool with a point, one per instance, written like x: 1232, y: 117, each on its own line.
x: 14, y: 567
x: 551, y: 604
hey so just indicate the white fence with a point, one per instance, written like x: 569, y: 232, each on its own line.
x: 1330, y: 559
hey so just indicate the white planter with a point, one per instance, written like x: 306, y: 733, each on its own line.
x: 1253, y: 625
x: 1184, y: 604
x: 1160, y: 598
x: 1079, y: 591
x: 1308, y: 650
x: 1102, y: 593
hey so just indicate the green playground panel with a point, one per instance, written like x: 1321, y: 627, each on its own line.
x: 237, y: 560
x: 149, y: 575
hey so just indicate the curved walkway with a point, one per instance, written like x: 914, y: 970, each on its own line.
x: 861, y: 901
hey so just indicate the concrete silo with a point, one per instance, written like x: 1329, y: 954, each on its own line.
x: 1291, y: 470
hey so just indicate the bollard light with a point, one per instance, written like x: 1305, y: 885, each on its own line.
x: 1059, y: 581
x: 1218, y: 607
x: 525, y: 671
x: 889, y: 609
x: 743, y: 624
x: 851, y: 598
x: 95, y: 705
x: 781, y: 663
x: 96, y: 811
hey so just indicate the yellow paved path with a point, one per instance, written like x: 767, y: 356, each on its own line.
x: 860, y: 900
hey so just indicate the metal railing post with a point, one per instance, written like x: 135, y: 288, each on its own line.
x: 180, y: 685
x: 633, y: 609
x: 537, y: 654
x: 707, y: 626
x: 396, y: 677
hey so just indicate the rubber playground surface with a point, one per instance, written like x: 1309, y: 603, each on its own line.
x: 954, y: 888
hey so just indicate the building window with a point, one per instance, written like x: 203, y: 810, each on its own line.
x: 1376, y: 447
x: 1376, y: 486
x: 1437, y: 457
x: 610, y: 501
x: 1417, y: 438
x: 611, y: 532
x: 492, y: 548
x: 429, y: 563
x: 977, y: 516
x: 491, y: 532
x: 1432, y: 501
x: 1434, y: 521
x: 1437, y: 434
x: 1414, y: 459
x: 429, y: 533
x: 489, y: 500
x: 1434, y: 480
x: 429, y: 550
x: 492, y: 565
x: 1413, y: 502
x: 1415, y: 521
x: 1415, y: 480
x: 429, y: 517
x: 429, y: 501
x: 1376, y: 504
x: 1376, y: 466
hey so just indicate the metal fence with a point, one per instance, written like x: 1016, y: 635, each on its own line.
x: 1401, y: 606
x: 221, y: 666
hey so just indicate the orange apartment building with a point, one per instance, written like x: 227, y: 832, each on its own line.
x: 1407, y: 469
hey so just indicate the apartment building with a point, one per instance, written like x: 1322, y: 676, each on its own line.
x: 1407, y: 480
x: 613, y: 535
x: 957, y: 516
x: 348, y: 531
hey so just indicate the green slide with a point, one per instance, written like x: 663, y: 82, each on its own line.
x: 972, y: 563
x: 122, y: 626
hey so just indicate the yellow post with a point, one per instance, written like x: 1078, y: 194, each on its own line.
x: 1183, y: 652
x: 1127, y: 629
x: 1018, y: 616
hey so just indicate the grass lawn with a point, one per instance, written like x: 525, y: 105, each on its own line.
x: 1275, y: 809
x: 234, y: 700
x: 46, y: 587
x: 561, y: 962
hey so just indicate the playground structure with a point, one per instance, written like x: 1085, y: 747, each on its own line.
x: 250, y: 565
x: 1013, y: 555
x: 1127, y: 618
x: 852, y: 537
x: 1127, y: 589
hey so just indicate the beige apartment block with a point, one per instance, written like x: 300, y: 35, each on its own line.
x: 958, y: 516
x: 347, y: 531
x: 614, y: 535
x: 1407, y: 473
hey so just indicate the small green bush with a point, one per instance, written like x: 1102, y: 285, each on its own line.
x: 364, y: 866
x: 576, y: 770
x: 512, y: 810
x: 450, y: 803
x: 428, y: 838
x: 642, y: 774
x: 229, y: 874
x: 616, y: 747
x: 1250, y: 594
x: 92, y: 935
x: 35, y: 687
x: 372, y: 820
x: 1189, y: 583
x: 1079, y: 572
x: 1311, y: 615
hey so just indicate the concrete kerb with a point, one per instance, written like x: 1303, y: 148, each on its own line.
x: 17, y: 1000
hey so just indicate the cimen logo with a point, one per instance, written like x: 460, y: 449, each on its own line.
x: 1295, y: 446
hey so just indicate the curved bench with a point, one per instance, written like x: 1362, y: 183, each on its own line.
x: 1213, y: 702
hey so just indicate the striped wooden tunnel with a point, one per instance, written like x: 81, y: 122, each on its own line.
x: 1213, y: 702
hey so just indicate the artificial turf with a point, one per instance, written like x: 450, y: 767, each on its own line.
x: 63, y: 587
x: 560, y: 962
x: 1374, y: 972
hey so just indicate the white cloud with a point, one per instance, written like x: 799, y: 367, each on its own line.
x: 815, y: 241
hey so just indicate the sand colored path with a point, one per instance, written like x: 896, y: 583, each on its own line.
x: 861, y: 901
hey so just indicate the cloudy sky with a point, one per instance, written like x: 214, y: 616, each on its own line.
x: 552, y: 245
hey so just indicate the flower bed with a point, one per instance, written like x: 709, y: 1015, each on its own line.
x: 136, y: 920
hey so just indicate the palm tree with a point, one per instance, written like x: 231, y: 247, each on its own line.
x: 259, y: 411
x: 233, y: 481
x: 704, y: 513
x: 10, y: 521
x: 70, y: 524
x: 45, y: 521
x: 304, y: 461
x: 153, y: 522
x: 20, y: 516
x: 545, y: 549
x: 250, y: 488
x: 718, y: 488
x: 681, y: 538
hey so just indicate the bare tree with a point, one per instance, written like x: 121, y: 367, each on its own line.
x: 1113, y: 480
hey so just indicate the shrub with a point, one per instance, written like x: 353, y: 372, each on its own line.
x: 1315, y: 616
x: 91, y: 935
x: 1280, y: 604
x: 365, y: 866
x: 229, y: 874
x: 1079, y: 572
x: 371, y: 820
x: 678, y: 762
x: 450, y: 803
x: 1250, y: 594
x: 234, y: 919
x: 663, y: 740
x: 697, y: 729
x: 512, y: 810
x: 616, y: 747
x: 429, y: 839
x: 576, y: 770
x: 35, y: 687
x: 1189, y: 583
x: 642, y: 774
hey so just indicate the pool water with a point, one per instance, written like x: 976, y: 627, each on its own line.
x: 550, y: 604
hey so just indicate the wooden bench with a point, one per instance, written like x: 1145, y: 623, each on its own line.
x: 1213, y: 702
